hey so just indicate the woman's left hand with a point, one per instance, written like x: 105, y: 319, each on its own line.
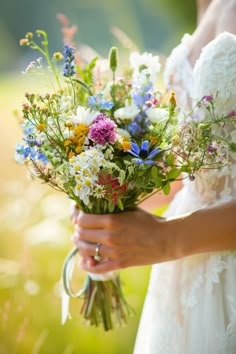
x: 126, y: 239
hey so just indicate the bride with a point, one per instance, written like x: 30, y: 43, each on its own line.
x: 190, y: 307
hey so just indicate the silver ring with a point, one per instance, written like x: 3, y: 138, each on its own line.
x: 97, y: 255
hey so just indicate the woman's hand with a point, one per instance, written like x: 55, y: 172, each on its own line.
x: 127, y: 239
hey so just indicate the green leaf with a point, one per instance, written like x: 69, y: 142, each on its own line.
x: 173, y: 174
x: 120, y: 204
x: 92, y: 64
x: 154, y: 172
x: 166, y: 188
x: 111, y: 206
x: 170, y: 159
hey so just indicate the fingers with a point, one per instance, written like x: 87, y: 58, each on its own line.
x: 87, y: 249
x: 74, y: 213
x: 93, y: 221
x: 89, y: 235
x: 101, y: 267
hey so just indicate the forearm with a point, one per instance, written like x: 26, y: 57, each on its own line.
x: 211, y: 229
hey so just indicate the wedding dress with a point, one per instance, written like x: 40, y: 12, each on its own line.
x: 190, y: 306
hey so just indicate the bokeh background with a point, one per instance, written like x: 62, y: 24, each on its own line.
x: 34, y: 221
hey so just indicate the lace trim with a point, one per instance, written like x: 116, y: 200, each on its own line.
x: 178, y: 75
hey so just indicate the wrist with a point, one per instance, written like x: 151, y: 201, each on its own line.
x: 179, y: 236
x: 172, y: 238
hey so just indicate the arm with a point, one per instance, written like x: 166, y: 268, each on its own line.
x: 139, y: 238
x: 207, y: 230
x: 212, y: 24
x: 201, y: 9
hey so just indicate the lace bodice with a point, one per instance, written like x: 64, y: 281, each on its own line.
x: 191, y: 302
x: 213, y: 74
x: 178, y: 74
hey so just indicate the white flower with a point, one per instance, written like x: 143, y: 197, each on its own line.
x: 66, y: 102
x: 147, y: 61
x: 157, y: 114
x: 85, y: 167
x: 123, y: 134
x: 127, y: 112
x: 33, y: 66
x: 84, y: 116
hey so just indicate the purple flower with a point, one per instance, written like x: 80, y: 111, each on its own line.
x: 142, y: 154
x: 102, y: 131
x: 232, y: 114
x: 208, y: 98
x: 32, y: 141
x: 69, y: 57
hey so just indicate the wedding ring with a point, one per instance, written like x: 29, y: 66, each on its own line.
x: 97, y: 256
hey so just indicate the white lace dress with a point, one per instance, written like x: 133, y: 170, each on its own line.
x: 190, y: 307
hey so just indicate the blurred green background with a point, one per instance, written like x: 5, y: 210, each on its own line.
x: 34, y: 224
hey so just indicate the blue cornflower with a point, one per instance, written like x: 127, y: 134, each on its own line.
x: 141, y: 99
x: 139, y: 125
x: 69, y: 57
x: 98, y: 102
x: 134, y: 129
x: 26, y: 151
x: 43, y: 158
x: 27, y: 127
x: 142, y: 154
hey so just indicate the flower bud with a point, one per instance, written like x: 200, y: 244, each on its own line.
x: 57, y: 56
x: 24, y: 42
x: 172, y: 101
x: 29, y: 35
x: 113, y: 58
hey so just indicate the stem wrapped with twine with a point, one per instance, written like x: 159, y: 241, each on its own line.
x: 103, y: 299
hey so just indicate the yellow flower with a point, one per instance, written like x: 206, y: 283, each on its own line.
x: 126, y: 145
x: 69, y: 124
x: 81, y: 130
x: 153, y: 140
x: 67, y: 142
x: 88, y: 183
x: 78, y: 149
x: 71, y: 154
x: 41, y: 127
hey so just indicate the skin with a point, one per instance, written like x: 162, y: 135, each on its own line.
x: 211, y: 24
x: 202, y: 5
x: 140, y: 238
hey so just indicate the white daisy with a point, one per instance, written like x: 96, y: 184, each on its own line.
x: 147, y: 61
x: 157, y: 114
x: 127, y: 112
x: 84, y: 116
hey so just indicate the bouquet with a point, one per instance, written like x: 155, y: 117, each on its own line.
x: 108, y: 142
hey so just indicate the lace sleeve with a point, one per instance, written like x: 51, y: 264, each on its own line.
x: 178, y: 74
x: 215, y: 73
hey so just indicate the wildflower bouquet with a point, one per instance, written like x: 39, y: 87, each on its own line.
x: 108, y: 143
